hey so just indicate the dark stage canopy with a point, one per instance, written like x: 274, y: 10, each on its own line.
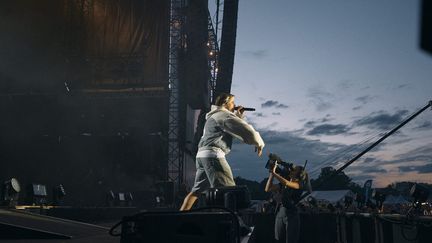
x: 83, y: 94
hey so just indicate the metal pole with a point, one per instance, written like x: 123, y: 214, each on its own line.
x: 370, y: 147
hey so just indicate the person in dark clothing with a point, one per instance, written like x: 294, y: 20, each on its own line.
x: 287, y: 194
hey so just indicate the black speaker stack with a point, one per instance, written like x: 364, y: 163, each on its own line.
x: 191, y: 227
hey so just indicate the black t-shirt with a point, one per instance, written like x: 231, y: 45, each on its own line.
x: 290, y: 197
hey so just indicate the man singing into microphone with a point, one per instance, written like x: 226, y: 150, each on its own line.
x: 222, y: 124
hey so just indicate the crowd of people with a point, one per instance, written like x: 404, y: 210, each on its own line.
x: 314, y: 206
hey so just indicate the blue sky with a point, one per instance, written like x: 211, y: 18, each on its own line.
x: 326, y: 76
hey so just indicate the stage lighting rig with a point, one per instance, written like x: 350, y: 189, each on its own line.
x: 122, y: 199
x: 110, y: 198
x: 58, y: 193
x: 129, y: 199
x: 10, y: 192
x: 37, y: 194
x: 125, y: 199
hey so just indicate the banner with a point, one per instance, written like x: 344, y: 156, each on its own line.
x: 367, y: 189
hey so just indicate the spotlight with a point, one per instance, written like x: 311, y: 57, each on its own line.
x: 129, y: 199
x: 37, y: 194
x: 420, y: 194
x: 58, y: 194
x: 125, y: 199
x: 110, y: 198
x: 129, y: 196
x: 10, y: 192
x: 122, y: 199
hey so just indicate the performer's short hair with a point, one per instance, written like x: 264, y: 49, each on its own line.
x: 223, y: 99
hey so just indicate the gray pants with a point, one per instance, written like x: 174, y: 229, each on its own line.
x: 212, y: 172
x: 287, y: 226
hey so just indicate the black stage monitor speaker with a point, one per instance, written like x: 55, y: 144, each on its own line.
x: 190, y: 227
x: 219, y: 196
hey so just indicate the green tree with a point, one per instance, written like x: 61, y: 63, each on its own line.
x: 327, y: 181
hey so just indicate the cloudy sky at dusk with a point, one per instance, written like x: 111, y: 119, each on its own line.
x: 329, y: 77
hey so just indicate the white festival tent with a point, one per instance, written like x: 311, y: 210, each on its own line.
x: 330, y: 196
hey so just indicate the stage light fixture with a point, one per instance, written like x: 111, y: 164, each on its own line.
x: 419, y: 193
x: 58, y: 193
x: 10, y: 192
x: 37, y: 194
x: 110, y: 198
x: 129, y: 199
x: 129, y: 196
x: 125, y: 199
x: 121, y: 199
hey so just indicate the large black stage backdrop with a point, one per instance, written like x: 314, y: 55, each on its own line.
x: 83, y: 95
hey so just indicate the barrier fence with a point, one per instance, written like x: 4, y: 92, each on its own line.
x: 349, y: 228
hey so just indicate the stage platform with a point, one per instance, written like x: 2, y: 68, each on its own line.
x: 24, y: 226
x: 343, y: 227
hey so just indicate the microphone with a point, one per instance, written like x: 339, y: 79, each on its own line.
x: 244, y: 108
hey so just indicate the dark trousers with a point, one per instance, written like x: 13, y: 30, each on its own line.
x: 287, y: 225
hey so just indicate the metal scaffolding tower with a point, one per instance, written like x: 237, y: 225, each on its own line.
x: 175, y: 151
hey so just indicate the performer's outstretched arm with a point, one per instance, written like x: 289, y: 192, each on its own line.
x: 245, y: 132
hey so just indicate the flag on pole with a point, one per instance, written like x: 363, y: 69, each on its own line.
x: 367, y: 189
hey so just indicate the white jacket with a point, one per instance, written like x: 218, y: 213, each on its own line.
x: 221, y: 126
